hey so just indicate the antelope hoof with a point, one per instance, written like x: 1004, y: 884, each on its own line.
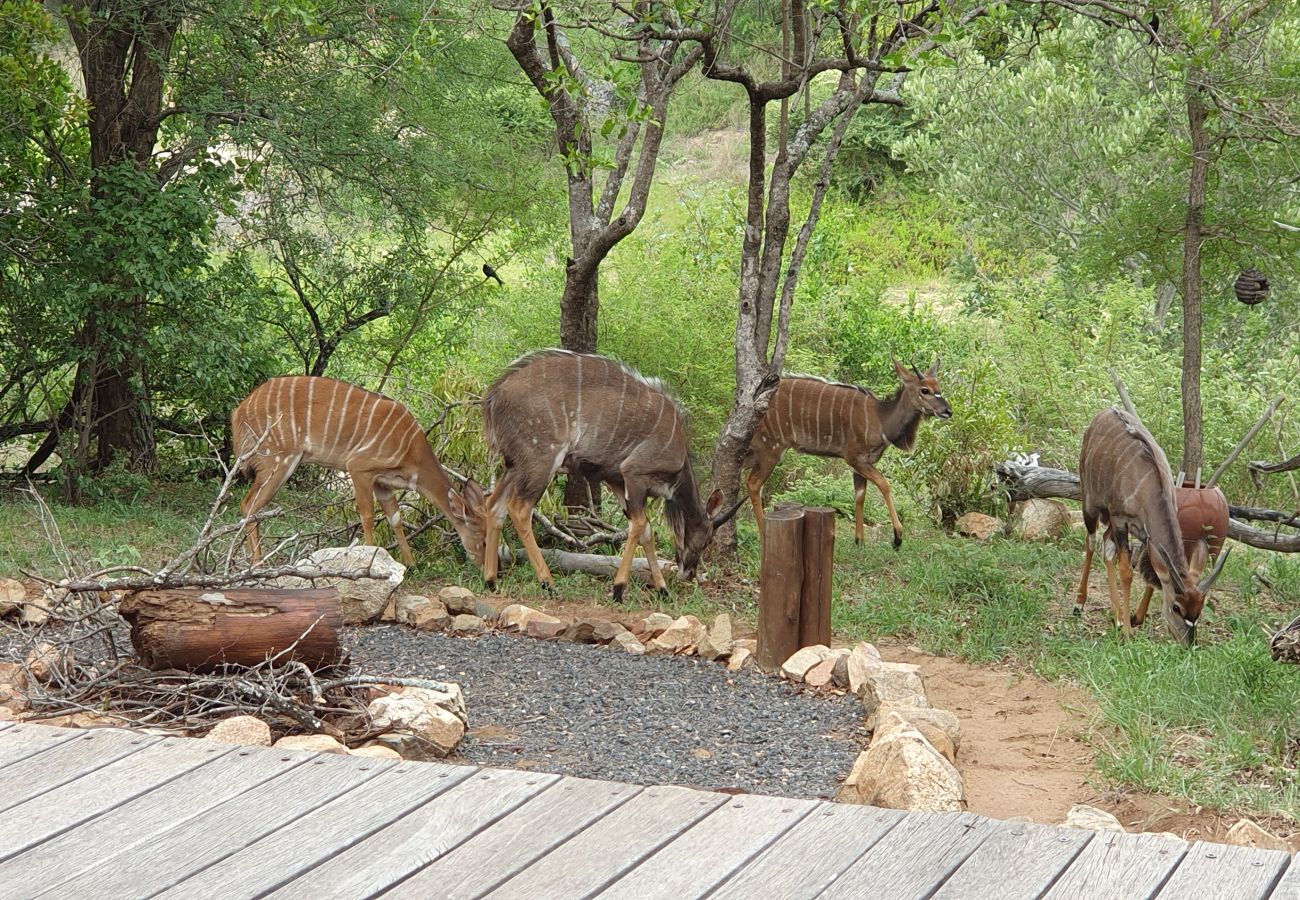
x: 663, y: 593
x: 547, y: 588
x: 857, y: 540
x: 618, y: 593
x: 492, y: 585
x: 898, y: 539
x: 1077, y: 612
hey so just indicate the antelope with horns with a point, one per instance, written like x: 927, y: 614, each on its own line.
x: 1126, y: 485
x: 825, y: 418
x: 554, y: 408
x: 304, y: 418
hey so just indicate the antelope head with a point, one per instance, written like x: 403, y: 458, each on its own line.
x: 921, y: 390
x: 469, y: 518
x: 693, y: 530
x: 1183, y: 603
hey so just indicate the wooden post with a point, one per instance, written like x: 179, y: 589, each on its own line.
x: 200, y: 629
x: 818, y: 563
x: 780, y: 586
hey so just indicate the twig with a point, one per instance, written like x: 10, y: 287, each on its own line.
x: 1123, y: 394
x: 1241, y: 445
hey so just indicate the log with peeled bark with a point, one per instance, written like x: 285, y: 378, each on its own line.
x: 594, y: 563
x: 1023, y: 482
x: 202, y: 629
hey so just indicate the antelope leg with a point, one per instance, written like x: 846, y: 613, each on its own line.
x: 1125, y: 564
x: 266, y: 482
x: 873, y: 475
x: 656, y: 574
x: 493, y: 519
x: 521, y: 514
x: 635, y: 528
x: 388, y: 503
x: 755, y: 485
x: 859, y: 499
x: 1140, y: 615
x: 364, y: 485
x: 1089, y: 540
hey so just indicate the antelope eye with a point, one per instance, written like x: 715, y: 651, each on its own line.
x: 925, y: 391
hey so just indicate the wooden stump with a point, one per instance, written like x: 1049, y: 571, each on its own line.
x: 200, y: 630
x: 780, y: 587
x: 818, y: 564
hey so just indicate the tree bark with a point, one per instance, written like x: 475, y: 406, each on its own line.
x: 203, y: 629
x: 1192, y: 239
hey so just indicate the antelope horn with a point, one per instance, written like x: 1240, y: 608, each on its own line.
x: 1208, y: 581
x: 916, y: 371
x: 723, y: 517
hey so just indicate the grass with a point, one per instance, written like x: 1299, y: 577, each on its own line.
x: 1218, y: 725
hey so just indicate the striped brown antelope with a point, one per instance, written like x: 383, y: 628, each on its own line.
x: 302, y: 418
x: 825, y: 418
x: 553, y: 408
x: 1126, y: 485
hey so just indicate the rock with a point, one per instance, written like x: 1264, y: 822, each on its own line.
x: 363, y: 599
x: 897, y: 683
x: 13, y: 687
x: 312, y: 743
x: 421, y: 723
x: 580, y: 632
x: 516, y: 617
x: 901, y: 770
x: 12, y: 594
x: 545, y: 630
x: 431, y: 617
x: 1041, y: 520
x: 246, y: 731
x: 820, y: 674
x: 390, y: 611
x: 1089, y: 818
x: 940, y: 727
x: 680, y: 637
x: 375, y: 751
x: 746, y: 644
x: 605, y: 631
x: 1247, y: 833
x: 45, y: 659
x: 862, y: 661
x: 406, y: 606
x: 797, y: 666
x: 656, y: 623
x: 466, y: 623
x: 978, y: 525
x: 485, y: 611
x: 840, y: 671
x: 35, y: 613
x: 627, y: 640
x: 716, y: 642
x: 7, y: 714
x: 740, y: 659
x: 457, y: 599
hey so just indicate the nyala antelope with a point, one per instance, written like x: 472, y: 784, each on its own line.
x: 824, y: 418
x: 1127, y: 486
x: 552, y: 409
x: 302, y: 418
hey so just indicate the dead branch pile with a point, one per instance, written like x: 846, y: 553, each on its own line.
x: 1285, y: 645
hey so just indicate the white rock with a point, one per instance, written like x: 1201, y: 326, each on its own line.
x: 363, y: 599
x: 313, y: 743
x: 740, y: 659
x: 516, y: 617
x: 901, y: 770
x: 245, y: 731
x: 45, y: 659
x: 863, y: 660
x: 12, y: 593
x: 466, y: 623
x: 457, y: 599
x: 35, y: 612
x: 657, y: 622
x: 405, y: 607
x: 929, y: 722
x: 1041, y: 520
x: 820, y: 675
x: 422, y: 723
x: 627, y: 640
x: 798, y: 665
x: 1246, y: 833
x: 375, y: 751
x: 717, y: 642
x: 897, y: 683
x: 679, y: 637
x: 978, y: 525
x: 1090, y: 818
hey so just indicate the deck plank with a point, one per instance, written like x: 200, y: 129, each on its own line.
x: 1289, y: 887
x: 914, y: 858
x: 713, y: 849
x: 1224, y: 872
x: 422, y: 836
x: 513, y: 843
x: 595, y: 858
x: 1017, y: 860
x: 175, y: 854
x: 812, y: 854
x: 307, y: 841
x: 67, y: 761
x: 43, y: 817
x: 1119, y: 865
x: 21, y: 741
x: 125, y: 827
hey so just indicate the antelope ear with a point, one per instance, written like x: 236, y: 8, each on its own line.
x: 714, y: 503
x: 1172, y: 572
x: 934, y: 367
x: 474, y: 496
x: 902, y: 371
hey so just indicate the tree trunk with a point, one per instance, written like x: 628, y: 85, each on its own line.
x: 202, y: 629
x: 579, y: 308
x: 1191, y: 382
x: 123, y: 424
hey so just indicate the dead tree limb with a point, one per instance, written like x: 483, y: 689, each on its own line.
x: 1241, y: 445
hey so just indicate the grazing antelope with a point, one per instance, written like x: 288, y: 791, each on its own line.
x: 302, y: 418
x: 1202, y: 542
x: 554, y: 408
x: 825, y: 418
x: 1126, y: 485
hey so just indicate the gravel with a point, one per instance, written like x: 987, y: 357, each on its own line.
x: 594, y: 712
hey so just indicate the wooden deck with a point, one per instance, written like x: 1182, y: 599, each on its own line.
x: 108, y: 813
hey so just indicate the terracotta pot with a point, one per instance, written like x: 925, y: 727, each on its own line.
x: 1202, y: 513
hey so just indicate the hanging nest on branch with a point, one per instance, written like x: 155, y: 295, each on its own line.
x: 1251, y: 287
x: 1285, y: 645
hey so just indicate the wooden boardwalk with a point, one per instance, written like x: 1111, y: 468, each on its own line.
x: 117, y: 814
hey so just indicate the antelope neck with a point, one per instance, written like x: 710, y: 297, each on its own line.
x: 897, y: 423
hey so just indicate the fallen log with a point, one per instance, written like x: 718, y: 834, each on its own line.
x: 201, y: 630
x: 1285, y: 645
x: 594, y: 563
x: 1024, y: 482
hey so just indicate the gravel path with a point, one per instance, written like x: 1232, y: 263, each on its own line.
x: 598, y: 713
